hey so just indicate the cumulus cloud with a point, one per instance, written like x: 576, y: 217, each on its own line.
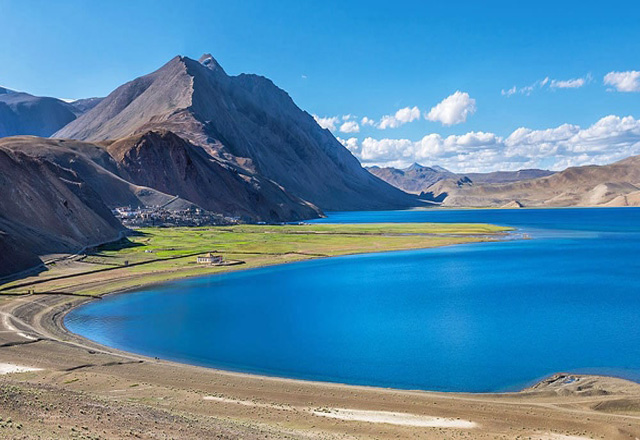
x: 367, y: 121
x: 401, y: 117
x: 453, y: 110
x: 623, y: 81
x: 609, y: 139
x: 344, y: 124
x: 351, y: 144
x: 350, y: 127
x: 329, y: 122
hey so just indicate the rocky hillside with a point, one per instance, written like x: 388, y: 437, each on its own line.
x: 166, y: 162
x: 417, y: 178
x: 21, y: 113
x: 616, y: 184
x: 46, y: 209
x: 245, y: 123
x: 94, y: 165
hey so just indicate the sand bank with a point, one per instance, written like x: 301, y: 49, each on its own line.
x: 84, y: 388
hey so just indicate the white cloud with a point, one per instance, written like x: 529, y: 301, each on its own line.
x: 350, y: 144
x: 401, y: 117
x: 512, y: 91
x: 367, y: 121
x: 453, y: 110
x: 350, y: 127
x: 624, y: 81
x: 345, y: 123
x: 573, y: 83
x: 328, y: 122
x: 609, y: 139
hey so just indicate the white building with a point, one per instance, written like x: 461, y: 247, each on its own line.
x: 210, y: 259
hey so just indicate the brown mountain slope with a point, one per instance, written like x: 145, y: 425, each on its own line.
x: 578, y: 186
x: 165, y: 161
x: 151, y: 169
x: 46, y: 209
x: 242, y: 120
x: 418, y: 178
x: 95, y: 167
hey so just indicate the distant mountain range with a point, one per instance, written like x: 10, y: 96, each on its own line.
x: 22, y: 113
x: 418, y: 178
x: 188, y: 134
x: 616, y: 184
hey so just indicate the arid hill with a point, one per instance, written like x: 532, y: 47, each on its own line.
x: 94, y: 165
x: 168, y: 163
x: 46, y: 209
x: 418, y: 178
x: 616, y: 184
x: 245, y: 123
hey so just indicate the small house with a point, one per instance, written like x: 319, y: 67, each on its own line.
x: 210, y: 259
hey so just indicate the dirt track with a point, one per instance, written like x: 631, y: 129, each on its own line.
x: 84, y: 390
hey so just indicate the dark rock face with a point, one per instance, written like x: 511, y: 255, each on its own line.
x: 47, y: 209
x: 21, y: 113
x: 94, y: 165
x: 168, y: 163
x: 243, y: 121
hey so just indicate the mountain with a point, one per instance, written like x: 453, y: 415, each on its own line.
x: 413, y: 179
x: 21, y: 113
x: 46, y: 209
x: 245, y: 123
x: 508, y: 176
x: 81, y: 106
x: 418, y: 178
x: 94, y: 165
x: 168, y: 163
x: 616, y: 184
x: 152, y: 168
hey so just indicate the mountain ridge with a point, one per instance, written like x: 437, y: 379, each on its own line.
x: 589, y: 185
x: 419, y: 178
x: 244, y: 120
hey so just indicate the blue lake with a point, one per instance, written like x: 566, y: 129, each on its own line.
x: 478, y: 317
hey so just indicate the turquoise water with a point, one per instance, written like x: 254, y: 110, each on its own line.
x: 478, y: 317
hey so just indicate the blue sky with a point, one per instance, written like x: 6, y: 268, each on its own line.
x: 367, y: 58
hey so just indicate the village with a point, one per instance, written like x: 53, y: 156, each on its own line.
x: 137, y: 217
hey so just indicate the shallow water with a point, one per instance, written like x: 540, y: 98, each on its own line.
x: 478, y: 317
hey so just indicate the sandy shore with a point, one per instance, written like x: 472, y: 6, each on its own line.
x: 83, y: 390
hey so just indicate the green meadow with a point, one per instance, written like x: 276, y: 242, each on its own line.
x: 153, y: 255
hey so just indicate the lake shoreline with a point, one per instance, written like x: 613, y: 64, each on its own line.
x: 64, y: 357
x: 95, y: 389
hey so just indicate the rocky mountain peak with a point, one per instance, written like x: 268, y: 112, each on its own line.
x: 414, y: 167
x: 210, y: 62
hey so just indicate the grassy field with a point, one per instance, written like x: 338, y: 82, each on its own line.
x: 155, y: 255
